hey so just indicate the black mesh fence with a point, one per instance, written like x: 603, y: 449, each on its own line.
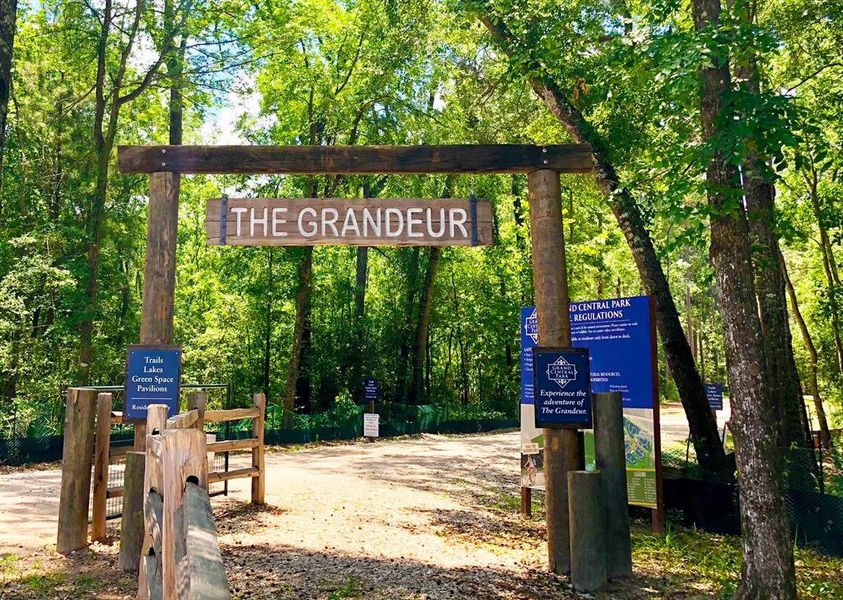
x: 813, y: 481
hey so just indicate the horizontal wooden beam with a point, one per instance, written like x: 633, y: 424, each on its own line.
x: 218, y: 476
x: 328, y: 160
x: 232, y: 414
x: 231, y: 445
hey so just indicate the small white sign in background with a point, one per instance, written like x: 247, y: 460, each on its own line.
x: 371, y: 425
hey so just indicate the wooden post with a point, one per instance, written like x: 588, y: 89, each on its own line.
x: 259, y: 481
x: 198, y: 401
x: 527, y: 501
x: 561, y: 447
x: 159, y: 277
x: 588, y: 539
x: 183, y: 457
x: 611, y: 462
x: 131, y: 524
x: 77, y: 456
x: 101, y: 459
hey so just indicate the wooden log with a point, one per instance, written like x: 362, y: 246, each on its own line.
x: 611, y: 462
x: 233, y: 445
x: 318, y: 160
x: 116, y: 417
x: 206, y: 571
x: 561, y: 447
x: 350, y: 222
x: 102, y: 446
x: 259, y: 482
x: 77, y: 459
x: 114, y: 492
x: 149, y: 572
x: 184, y: 420
x: 184, y: 457
x: 588, y: 531
x: 118, y: 452
x: 218, y: 476
x: 156, y: 418
x: 233, y: 414
x: 153, y: 577
x: 131, y: 521
x: 197, y: 401
x: 159, y: 279
x: 153, y: 519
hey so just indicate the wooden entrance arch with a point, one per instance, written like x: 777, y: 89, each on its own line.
x: 542, y: 164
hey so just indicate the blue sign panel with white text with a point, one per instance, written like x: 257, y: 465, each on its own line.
x: 153, y: 376
x: 562, y: 388
x: 714, y: 393
x: 371, y: 388
x: 619, y: 337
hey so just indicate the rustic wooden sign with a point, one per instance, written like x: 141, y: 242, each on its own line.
x: 369, y: 222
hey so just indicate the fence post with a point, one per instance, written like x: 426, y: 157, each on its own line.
x: 77, y: 456
x: 588, y: 532
x: 611, y: 462
x: 131, y: 525
x: 183, y: 458
x: 101, y: 460
x: 198, y: 401
x: 259, y: 482
x: 156, y: 420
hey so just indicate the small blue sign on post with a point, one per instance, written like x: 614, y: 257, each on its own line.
x: 153, y: 376
x: 562, y: 385
x: 714, y: 393
x: 371, y: 389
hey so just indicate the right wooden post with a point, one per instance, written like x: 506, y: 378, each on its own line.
x: 561, y: 447
x: 611, y: 463
x: 259, y: 482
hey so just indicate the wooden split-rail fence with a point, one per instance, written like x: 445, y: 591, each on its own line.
x: 167, y: 530
x: 105, y: 454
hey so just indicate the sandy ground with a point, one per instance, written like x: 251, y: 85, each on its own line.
x: 29, y: 499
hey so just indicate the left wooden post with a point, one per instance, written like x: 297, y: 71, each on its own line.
x: 77, y: 459
x: 159, y: 276
x: 561, y: 447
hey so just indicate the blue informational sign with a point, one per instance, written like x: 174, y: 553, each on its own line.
x: 562, y: 388
x: 619, y: 336
x: 153, y: 375
x: 714, y: 393
x: 371, y: 388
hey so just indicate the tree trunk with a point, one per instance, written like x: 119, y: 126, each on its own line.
x: 759, y: 194
x: 768, y: 570
x: 410, y: 299
x: 829, y: 267
x: 423, y: 323
x: 302, y: 315
x: 267, y: 346
x: 8, y: 17
x: 360, y: 282
x: 701, y: 422
x: 813, y: 357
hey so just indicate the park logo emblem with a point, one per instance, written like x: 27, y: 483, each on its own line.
x: 531, y: 327
x: 561, y: 372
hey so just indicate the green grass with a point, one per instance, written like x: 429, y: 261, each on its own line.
x: 713, y: 562
x: 348, y: 590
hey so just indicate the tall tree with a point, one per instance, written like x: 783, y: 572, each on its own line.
x: 118, y: 33
x: 768, y: 570
x: 759, y: 194
x: 703, y: 426
x: 8, y: 18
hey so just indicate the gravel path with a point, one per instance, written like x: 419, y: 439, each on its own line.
x: 429, y: 517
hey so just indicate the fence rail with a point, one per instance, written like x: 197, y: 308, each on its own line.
x: 180, y: 557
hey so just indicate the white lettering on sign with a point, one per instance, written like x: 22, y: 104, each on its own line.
x: 277, y: 220
x: 308, y: 221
